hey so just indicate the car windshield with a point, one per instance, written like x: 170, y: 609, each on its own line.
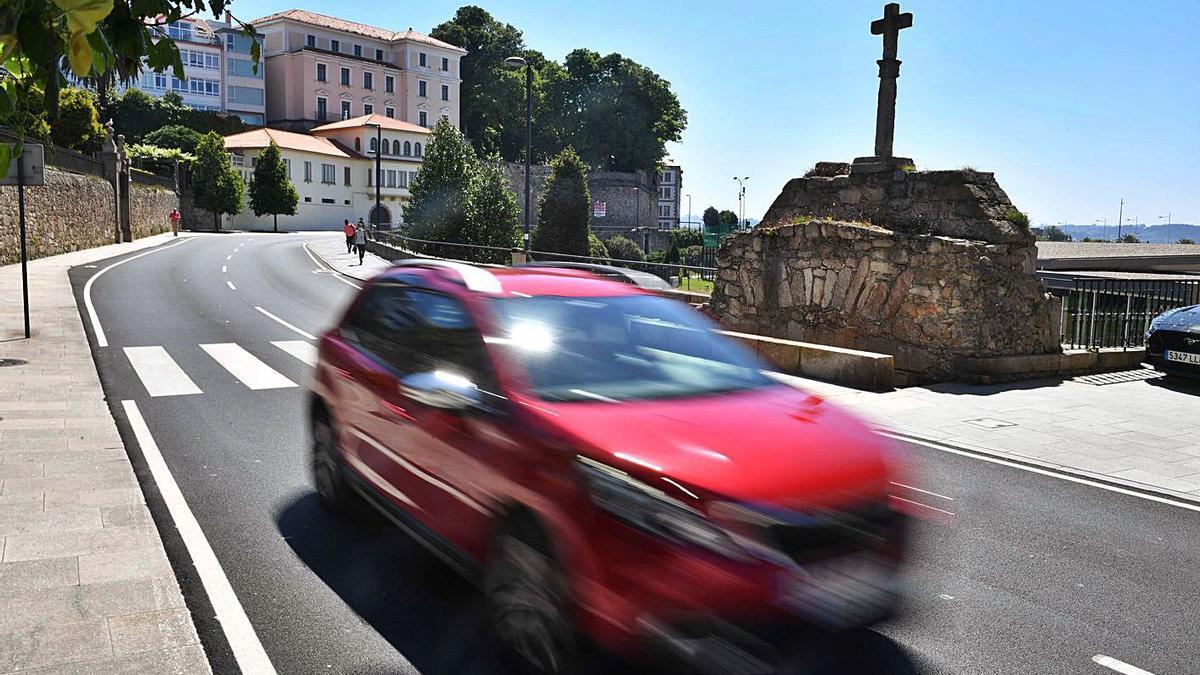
x: 621, y: 348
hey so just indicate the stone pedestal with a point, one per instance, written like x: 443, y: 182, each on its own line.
x: 863, y: 165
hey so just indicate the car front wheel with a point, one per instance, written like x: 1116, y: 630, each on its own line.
x: 328, y: 472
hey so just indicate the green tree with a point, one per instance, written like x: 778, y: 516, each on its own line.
x: 596, y: 248
x: 175, y: 136
x: 134, y: 114
x: 492, y: 212
x: 623, y: 248
x: 270, y: 190
x: 682, y: 237
x: 615, y: 112
x: 1054, y: 233
x: 562, y: 225
x: 218, y: 188
x: 437, y: 210
x: 491, y: 100
x: 1129, y: 239
x: 711, y: 219
x: 78, y: 125
x: 1185, y: 240
x: 728, y: 218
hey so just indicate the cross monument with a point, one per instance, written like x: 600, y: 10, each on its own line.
x: 889, y: 69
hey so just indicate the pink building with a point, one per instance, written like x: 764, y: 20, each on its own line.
x: 322, y: 69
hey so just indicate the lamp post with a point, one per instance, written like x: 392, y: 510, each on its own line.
x: 378, y: 171
x: 741, y: 200
x: 689, y: 211
x: 637, y: 214
x: 1168, y: 219
x: 516, y: 63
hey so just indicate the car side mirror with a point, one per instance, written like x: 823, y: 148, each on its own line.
x: 440, y: 389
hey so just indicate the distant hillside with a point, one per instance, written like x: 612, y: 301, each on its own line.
x: 1150, y: 234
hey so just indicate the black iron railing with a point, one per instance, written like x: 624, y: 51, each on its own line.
x: 1116, y: 313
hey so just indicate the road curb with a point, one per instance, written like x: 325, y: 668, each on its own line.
x: 1140, y: 488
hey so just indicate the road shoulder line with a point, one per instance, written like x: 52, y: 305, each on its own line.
x: 97, y: 330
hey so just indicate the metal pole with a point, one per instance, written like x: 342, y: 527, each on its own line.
x: 378, y: 170
x: 24, y: 255
x: 1120, y: 215
x: 528, y: 143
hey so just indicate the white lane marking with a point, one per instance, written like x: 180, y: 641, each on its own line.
x: 336, y: 274
x: 224, y: 269
x: 1119, y: 666
x: 285, y: 324
x: 246, y: 367
x: 239, y: 632
x: 230, y: 285
x: 1053, y: 474
x: 924, y: 506
x: 305, y: 351
x: 229, y: 257
x: 916, y: 489
x: 97, y: 329
x: 159, y: 373
x: 416, y: 471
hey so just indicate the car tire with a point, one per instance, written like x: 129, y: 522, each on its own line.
x: 527, y: 595
x: 329, y: 472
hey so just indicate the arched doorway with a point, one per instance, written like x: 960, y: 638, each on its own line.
x: 384, y: 219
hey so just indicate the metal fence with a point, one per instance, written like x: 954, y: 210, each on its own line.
x: 1107, y: 313
x: 694, y: 278
x: 146, y: 178
x: 62, y: 158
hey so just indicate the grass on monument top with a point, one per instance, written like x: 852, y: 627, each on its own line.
x: 1017, y: 218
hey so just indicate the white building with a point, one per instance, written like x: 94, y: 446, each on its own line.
x: 670, y: 183
x: 333, y: 169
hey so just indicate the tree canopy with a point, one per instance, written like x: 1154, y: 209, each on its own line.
x: 562, y: 225
x: 711, y: 218
x: 728, y: 218
x: 437, y: 210
x: 218, y: 188
x: 270, y: 190
x: 78, y: 124
x: 492, y: 212
x: 623, y: 248
x: 175, y: 136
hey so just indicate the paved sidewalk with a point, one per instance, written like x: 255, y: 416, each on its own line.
x: 1143, y: 432
x: 85, y: 585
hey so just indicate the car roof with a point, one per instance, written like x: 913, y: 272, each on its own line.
x: 519, y: 281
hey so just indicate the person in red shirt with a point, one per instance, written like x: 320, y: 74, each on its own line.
x: 348, y: 230
x: 174, y: 222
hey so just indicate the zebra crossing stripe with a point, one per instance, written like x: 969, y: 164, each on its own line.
x: 159, y: 373
x: 300, y: 349
x: 246, y: 367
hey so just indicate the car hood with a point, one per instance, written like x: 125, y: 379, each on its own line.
x: 1186, y: 319
x: 776, y: 445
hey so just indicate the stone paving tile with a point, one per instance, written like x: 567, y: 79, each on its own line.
x: 82, y: 518
x: 38, y: 574
x: 1187, y: 484
x: 68, y: 604
x: 69, y: 483
x: 126, y: 515
x: 182, y: 661
x: 56, y: 499
x: 138, y: 563
x: 49, y: 644
x: 22, y: 504
x: 13, y: 469
x: 1079, y: 460
x: 151, y: 631
x: 116, y: 468
x: 77, y: 542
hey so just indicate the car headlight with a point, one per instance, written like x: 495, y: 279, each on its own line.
x: 639, y: 505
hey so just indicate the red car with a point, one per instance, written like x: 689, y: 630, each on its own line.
x: 603, y: 462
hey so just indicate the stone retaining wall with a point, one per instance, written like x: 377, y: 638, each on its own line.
x: 930, y: 301
x: 150, y: 209
x: 70, y: 212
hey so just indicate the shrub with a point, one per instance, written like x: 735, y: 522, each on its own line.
x: 1129, y: 239
x: 78, y: 124
x: 596, y: 248
x: 622, y: 248
x: 564, y: 208
x: 1185, y: 240
x: 1017, y: 218
x: 175, y: 136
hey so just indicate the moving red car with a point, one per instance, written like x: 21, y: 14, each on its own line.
x: 602, y: 461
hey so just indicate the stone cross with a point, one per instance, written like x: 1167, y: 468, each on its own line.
x: 889, y: 69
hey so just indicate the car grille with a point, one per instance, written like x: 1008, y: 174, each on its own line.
x: 831, y: 534
x: 1173, y: 339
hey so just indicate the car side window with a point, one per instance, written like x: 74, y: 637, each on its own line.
x: 446, y: 338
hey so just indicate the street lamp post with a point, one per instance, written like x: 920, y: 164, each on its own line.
x: 689, y: 211
x: 1168, y: 218
x: 637, y: 215
x: 516, y: 63
x: 378, y: 171
x: 741, y: 200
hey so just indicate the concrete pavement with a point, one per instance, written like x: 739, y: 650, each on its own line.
x: 1131, y: 428
x: 85, y: 584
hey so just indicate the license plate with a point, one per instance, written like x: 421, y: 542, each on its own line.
x: 839, y: 593
x: 1183, y: 357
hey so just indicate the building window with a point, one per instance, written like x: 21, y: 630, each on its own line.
x: 389, y: 84
x: 320, y: 72
x: 445, y: 92
x: 378, y: 54
x: 403, y: 179
x: 368, y: 109
x: 407, y: 148
x: 358, y: 50
x: 421, y: 84
x: 368, y: 80
x: 308, y: 172
x: 308, y: 200
x: 322, y: 108
x: 358, y: 145
x: 345, y: 77
x: 346, y: 175
x: 345, y: 110
x: 412, y: 176
x: 310, y: 40
x: 373, y: 144
x: 423, y: 119
x: 328, y: 200
x: 421, y: 59
x: 417, y: 149
x: 387, y: 147
x: 390, y: 112
x: 328, y: 174
x: 445, y: 64
x: 335, y: 45
x: 370, y: 177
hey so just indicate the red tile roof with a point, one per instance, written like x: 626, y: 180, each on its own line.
x: 287, y: 140
x: 334, y: 23
x: 374, y: 118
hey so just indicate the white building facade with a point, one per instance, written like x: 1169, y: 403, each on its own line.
x: 670, y: 185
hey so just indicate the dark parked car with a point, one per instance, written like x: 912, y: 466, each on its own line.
x: 1173, y: 342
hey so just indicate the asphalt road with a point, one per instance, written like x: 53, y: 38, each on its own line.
x: 1019, y: 572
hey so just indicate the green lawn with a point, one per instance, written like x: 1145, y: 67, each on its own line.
x: 696, y: 285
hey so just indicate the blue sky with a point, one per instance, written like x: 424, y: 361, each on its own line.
x: 1073, y: 105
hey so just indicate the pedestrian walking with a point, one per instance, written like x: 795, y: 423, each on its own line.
x: 175, y: 222
x: 360, y: 240
x: 348, y: 230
